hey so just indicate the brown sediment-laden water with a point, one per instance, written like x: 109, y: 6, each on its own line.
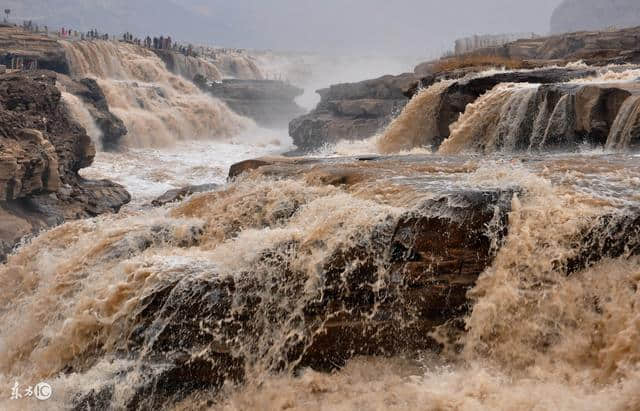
x: 157, y: 106
x: 500, y: 272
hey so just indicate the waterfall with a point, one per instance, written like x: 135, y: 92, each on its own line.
x: 157, y: 107
x: 626, y: 127
x: 81, y: 114
x: 492, y: 122
x: 77, y: 295
x: 515, y: 117
x: 417, y: 124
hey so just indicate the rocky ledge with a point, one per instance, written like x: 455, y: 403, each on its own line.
x: 270, y: 103
x: 21, y: 48
x: 360, y: 110
x: 593, y: 47
x: 41, y: 151
x: 352, y: 111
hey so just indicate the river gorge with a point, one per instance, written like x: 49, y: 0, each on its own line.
x: 462, y: 239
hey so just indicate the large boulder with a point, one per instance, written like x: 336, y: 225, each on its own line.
x: 352, y: 111
x: 41, y: 151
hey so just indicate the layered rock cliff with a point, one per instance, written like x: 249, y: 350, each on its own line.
x: 41, y: 151
x: 592, y: 47
x: 352, y: 111
x: 19, y: 49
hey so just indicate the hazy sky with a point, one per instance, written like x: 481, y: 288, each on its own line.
x: 376, y: 25
x: 331, y: 26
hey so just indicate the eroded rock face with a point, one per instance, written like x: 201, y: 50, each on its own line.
x: 352, y: 111
x: 593, y: 47
x: 41, y: 151
x: 269, y: 103
x: 347, y: 113
x: 19, y: 46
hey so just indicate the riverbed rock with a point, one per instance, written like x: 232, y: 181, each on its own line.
x: 42, y: 150
x: 179, y: 194
x: 195, y: 332
x: 379, y: 293
x: 352, y: 111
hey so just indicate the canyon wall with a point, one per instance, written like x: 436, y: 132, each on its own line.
x: 42, y: 150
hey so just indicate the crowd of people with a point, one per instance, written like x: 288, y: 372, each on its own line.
x: 160, y: 43
x: 157, y: 43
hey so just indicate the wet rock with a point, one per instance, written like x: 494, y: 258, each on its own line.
x: 178, y: 194
x: 352, y: 111
x: 380, y: 294
x: 198, y: 331
x: 112, y: 128
x: 611, y: 236
x: 42, y: 149
x: 269, y: 103
x: 455, y: 99
x: 244, y: 166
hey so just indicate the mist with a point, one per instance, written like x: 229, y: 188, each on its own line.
x: 337, y: 27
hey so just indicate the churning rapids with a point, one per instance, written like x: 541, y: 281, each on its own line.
x: 492, y: 274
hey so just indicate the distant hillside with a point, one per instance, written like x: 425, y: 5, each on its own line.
x: 576, y: 15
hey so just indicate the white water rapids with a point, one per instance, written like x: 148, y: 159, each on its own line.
x: 535, y: 339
